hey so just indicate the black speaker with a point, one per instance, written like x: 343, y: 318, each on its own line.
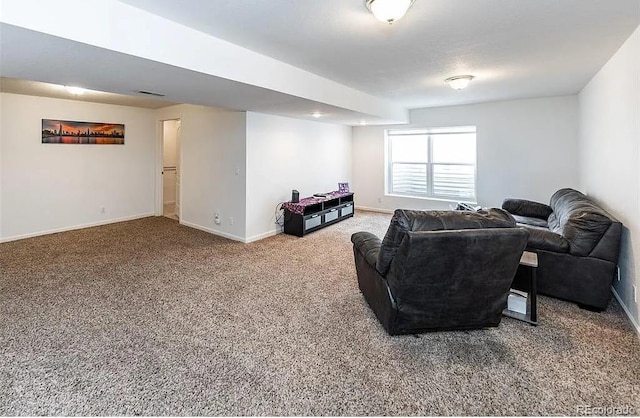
x: 295, y: 196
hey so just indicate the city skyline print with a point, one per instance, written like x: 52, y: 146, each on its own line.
x: 56, y: 131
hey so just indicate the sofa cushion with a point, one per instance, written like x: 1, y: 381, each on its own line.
x: 579, y: 220
x: 527, y: 220
x: 553, y: 224
x: 412, y: 220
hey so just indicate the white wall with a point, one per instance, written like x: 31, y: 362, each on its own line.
x: 1, y: 105
x: 213, y: 168
x: 525, y: 148
x: 52, y: 187
x: 609, y: 156
x: 169, y: 157
x: 237, y: 166
x: 285, y: 154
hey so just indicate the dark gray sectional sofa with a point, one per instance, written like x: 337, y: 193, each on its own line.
x: 577, y: 243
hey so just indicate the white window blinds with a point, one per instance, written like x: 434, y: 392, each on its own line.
x: 439, y: 163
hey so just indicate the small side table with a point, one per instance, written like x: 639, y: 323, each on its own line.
x: 529, y: 263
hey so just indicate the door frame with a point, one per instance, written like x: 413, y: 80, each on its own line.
x: 159, y: 167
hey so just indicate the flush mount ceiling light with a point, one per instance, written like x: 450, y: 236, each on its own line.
x: 75, y: 90
x: 388, y: 11
x: 316, y: 115
x: 459, y: 82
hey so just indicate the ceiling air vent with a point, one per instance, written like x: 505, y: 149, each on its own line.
x: 150, y: 93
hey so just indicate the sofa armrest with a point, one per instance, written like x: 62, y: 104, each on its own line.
x: 368, y: 245
x: 543, y: 239
x: 527, y: 208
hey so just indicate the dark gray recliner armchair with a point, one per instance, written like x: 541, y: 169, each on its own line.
x: 439, y: 270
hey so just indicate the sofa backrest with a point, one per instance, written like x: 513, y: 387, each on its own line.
x: 404, y: 221
x: 584, y: 224
x: 454, y: 278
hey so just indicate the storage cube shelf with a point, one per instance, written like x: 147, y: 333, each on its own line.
x: 313, y: 213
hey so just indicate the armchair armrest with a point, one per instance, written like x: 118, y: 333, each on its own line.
x: 528, y: 208
x: 368, y: 245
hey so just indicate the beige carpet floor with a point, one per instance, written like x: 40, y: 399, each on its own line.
x: 152, y: 318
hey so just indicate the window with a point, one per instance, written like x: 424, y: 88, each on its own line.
x: 438, y: 163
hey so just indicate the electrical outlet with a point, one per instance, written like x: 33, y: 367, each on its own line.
x: 102, y: 211
x: 216, y: 218
x: 231, y: 221
x: 379, y: 200
x: 635, y: 293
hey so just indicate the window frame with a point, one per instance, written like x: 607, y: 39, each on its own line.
x: 429, y: 132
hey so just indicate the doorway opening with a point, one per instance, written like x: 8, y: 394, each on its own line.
x: 171, y: 168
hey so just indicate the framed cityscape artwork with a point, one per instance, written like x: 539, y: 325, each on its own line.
x: 56, y: 131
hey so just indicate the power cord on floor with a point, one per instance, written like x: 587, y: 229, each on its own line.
x: 279, y: 214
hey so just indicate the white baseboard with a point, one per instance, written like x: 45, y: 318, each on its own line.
x: 212, y: 231
x: 374, y: 209
x: 263, y: 236
x: 626, y: 310
x: 74, y: 227
x: 231, y: 236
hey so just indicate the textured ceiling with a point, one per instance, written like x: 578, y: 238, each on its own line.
x: 332, y: 55
x: 515, y: 48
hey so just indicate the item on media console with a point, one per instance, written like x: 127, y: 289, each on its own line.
x: 343, y: 187
x: 321, y: 194
x: 295, y: 196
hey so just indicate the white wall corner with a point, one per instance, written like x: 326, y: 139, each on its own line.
x: 213, y: 231
x: 626, y: 310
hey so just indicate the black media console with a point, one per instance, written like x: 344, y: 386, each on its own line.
x: 313, y: 213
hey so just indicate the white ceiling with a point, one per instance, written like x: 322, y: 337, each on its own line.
x: 37, y: 88
x: 515, y: 48
x: 368, y: 70
x: 26, y: 55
